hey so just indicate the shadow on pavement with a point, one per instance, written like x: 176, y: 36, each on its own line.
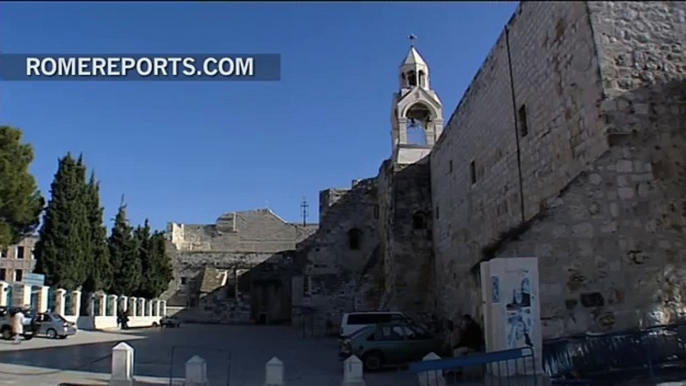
x: 233, y: 353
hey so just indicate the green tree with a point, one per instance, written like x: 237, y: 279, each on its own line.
x: 155, y: 263
x: 126, y: 267
x: 62, y: 249
x: 20, y: 201
x: 164, y: 271
x: 99, y: 272
x: 145, y: 257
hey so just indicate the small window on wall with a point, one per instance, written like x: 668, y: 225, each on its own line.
x: 523, y: 123
x: 184, y: 280
x: 20, y: 252
x: 3, y: 274
x: 472, y: 172
x: 18, y: 275
x: 3, y: 253
x: 419, y: 221
x: 355, y: 239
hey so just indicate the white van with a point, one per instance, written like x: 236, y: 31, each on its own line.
x: 355, y: 321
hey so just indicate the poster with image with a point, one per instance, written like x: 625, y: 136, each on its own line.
x: 495, y: 281
x: 519, y: 328
x: 521, y: 293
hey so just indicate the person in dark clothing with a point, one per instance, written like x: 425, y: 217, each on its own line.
x: 471, y: 338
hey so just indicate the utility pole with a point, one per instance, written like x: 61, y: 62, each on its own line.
x: 304, y: 207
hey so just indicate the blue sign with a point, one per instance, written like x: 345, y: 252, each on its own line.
x: 34, y: 279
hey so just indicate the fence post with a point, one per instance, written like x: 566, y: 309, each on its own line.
x: 122, y: 365
x: 60, y: 299
x: 4, y: 288
x: 273, y: 372
x: 196, y: 372
x: 352, y: 372
x: 432, y: 377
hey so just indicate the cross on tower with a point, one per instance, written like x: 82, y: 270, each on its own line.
x: 304, y: 207
x: 412, y: 38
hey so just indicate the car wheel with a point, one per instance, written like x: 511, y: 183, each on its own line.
x: 372, y: 361
x: 6, y: 334
x: 52, y: 334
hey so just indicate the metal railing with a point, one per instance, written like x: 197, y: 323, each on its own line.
x: 509, y: 367
x: 614, y: 357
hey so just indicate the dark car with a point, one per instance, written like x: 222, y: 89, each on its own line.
x: 6, y: 315
x: 390, y: 343
x: 169, y: 321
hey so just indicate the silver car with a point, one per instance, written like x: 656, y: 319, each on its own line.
x: 54, y: 326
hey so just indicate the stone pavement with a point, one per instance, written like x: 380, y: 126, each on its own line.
x: 235, y: 356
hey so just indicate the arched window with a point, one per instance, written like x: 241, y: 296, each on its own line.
x: 355, y: 239
x: 419, y: 221
x: 412, y: 78
x: 422, y: 79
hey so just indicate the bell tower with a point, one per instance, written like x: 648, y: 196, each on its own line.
x: 417, y: 117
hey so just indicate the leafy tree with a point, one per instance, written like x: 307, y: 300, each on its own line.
x: 126, y: 267
x: 99, y: 273
x: 20, y: 201
x: 62, y: 249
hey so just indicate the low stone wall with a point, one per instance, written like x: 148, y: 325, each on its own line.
x: 110, y: 322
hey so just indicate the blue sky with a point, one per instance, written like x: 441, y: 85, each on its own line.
x: 189, y: 151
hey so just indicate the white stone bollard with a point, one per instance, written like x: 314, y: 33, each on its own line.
x: 433, y: 377
x: 196, y: 372
x: 141, y: 307
x: 352, y: 372
x: 273, y: 372
x: 43, y: 298
x: 122, y: 365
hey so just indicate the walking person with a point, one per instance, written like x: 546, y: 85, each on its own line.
x: 18, y: 326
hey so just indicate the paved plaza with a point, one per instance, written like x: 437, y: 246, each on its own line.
x: 235, y: 356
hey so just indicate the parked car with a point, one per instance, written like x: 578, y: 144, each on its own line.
x: 54, y: 326
x: 169, y: 321
x: 6, y: 315
x: 355, y: 321
x: 390, y: 343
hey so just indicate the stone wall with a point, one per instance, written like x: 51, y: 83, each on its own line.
x: 234, y: 245
x: 340, y: 262
x: 601, y: 164
x: 405, y: 229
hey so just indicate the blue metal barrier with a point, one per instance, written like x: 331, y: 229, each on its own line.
x: 475, y: 367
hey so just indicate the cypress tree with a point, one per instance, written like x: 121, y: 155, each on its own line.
x: 164, y: 271
x: 99, y: 267
x: 62, y: 251
x: 145, y: 257
x: 123, y: 247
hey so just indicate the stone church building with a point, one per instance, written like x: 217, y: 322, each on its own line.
x: 569, y: 145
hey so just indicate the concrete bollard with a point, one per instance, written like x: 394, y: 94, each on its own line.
x: 352, y: 372
x: 196, y: 372
x: 122, y: 365
x: 273, y: 372
x: 434, y: 377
